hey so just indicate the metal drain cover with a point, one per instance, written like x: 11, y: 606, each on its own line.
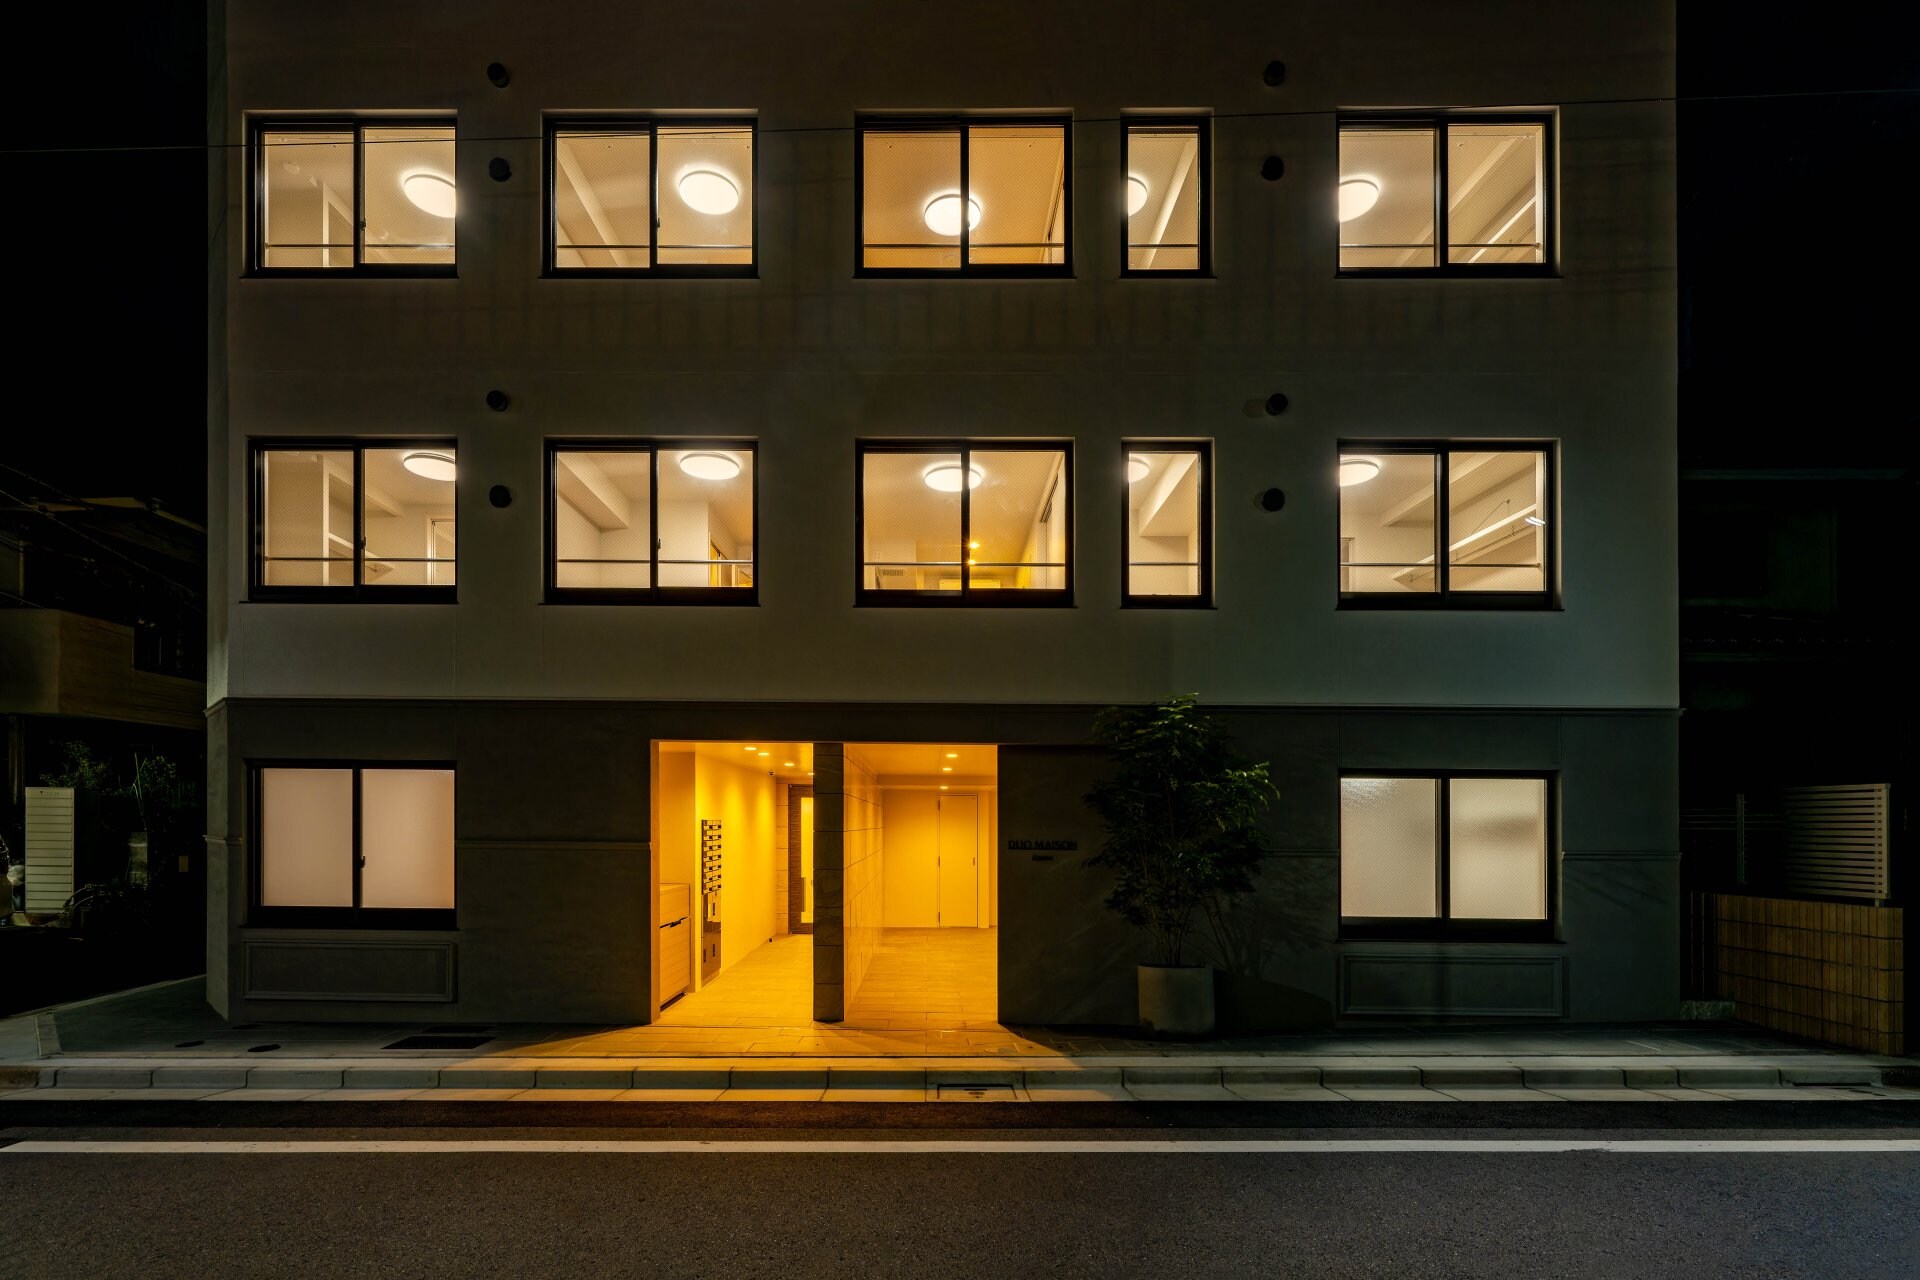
x: 975, y: 1093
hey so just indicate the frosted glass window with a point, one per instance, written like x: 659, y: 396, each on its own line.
x: 406, y: 838
x: 306, y: 837
x: 1166, y: 526
x: 1497, y: 855
x: 1389, y: 847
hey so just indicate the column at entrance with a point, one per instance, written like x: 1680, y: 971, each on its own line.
x: 848, y: 896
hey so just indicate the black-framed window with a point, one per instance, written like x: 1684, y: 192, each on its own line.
x: 1458, y: 193
x: 1168, y: 196
x: 358, y: 845
x: 652, y: 521
x: 984, y: 195
x: 353, y: 195
x: 964, y: 522
x: 1447, y: 854
x: 354, y: 520
x: 1168, y: 543
x: 651, y: 195
x: 1447, y: 524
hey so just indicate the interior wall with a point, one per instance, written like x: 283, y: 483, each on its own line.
x: 912, y: 848
x: 679, y: 838
x: 741, y: 797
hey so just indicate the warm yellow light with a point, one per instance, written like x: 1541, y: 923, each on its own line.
x: 974, y: 545
x: 946, y: 768
x: 789, y: 764
x: 765, y: 754
x: 749, y: 748
x: 943, y: 215
x: 1357, y: 195
x: 943, y: 786
x: 953, y: 755
x: 971, y: 560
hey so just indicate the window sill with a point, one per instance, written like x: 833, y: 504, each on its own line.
x: 351, y: 273
x: 361, y: 919
x: 1516, y: 272
x: 353, y: 595
x: 697, y: 597
x: 750, y: 271
x: 1455, y: 603
x: 1522, y: 933
x: 947, y: 600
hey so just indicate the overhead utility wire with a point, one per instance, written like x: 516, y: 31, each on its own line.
x: 1077, y: 120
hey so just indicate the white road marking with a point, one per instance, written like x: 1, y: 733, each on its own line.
x: 1170, y: 1146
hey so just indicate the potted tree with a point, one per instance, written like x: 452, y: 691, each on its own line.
x: 1180, y: 812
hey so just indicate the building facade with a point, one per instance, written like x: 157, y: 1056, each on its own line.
x: 596, y: 394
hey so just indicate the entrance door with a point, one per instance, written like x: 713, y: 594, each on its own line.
x: 959, y: 861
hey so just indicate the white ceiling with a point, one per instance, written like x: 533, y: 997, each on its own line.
x: 1013, y: 486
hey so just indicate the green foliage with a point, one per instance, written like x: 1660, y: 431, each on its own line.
x: 1181, y: 811
x: 80, y: 770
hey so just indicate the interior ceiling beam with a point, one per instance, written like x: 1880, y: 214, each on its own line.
x: 589, y: 201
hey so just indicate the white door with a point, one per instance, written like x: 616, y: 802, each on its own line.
x: 959, y: 861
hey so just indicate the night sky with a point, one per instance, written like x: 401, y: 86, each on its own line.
x: 1798, y: 251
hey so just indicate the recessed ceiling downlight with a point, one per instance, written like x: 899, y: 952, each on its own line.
x: 706, y: 191
x: 1136, y: 194
x: 1137, y: 468
x: 430, y: 193
x: 710, y: 466
x: 943, y: 215
x: 1357, y: 195
x: 1357, y: 470
x: 429, y: 464
x: 945, y: 477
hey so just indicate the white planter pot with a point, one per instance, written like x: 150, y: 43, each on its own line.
x: 1176, y: 1001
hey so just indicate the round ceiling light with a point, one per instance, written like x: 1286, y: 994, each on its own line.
x: 705, y: 191
x: 1357, y: 470
x: 1137, y: 468
x: 1357, y: 195
x: 1136, y: 194
x: 943, y: 215
x: 429, y: 465
x: 945, y: 477
x: 710, y: 466
x: 430, y: 193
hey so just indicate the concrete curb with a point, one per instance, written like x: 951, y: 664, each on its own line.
x: 790, y: 1074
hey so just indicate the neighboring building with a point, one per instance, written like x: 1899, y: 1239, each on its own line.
x: 101, y: 652
x: 731, y: 507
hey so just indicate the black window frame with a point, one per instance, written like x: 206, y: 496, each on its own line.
x: 1442, y: 596
x: 1444, y: 927
x: 655, y: 594
x: 360, y: 592
x: 1204, y: 600
x: 1438, y: 121
x: 1202, y: 124
x: 963, y: 123
x: 650, y: 123
x: 260, y: 916
x: 966, y: 597
x: 357, y: 124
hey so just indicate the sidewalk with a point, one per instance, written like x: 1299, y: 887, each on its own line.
x: 162, y: 1042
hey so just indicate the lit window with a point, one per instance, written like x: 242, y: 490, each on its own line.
x: 339, y: 196
x: 652, y: 522
x: 1169, y: 547
x: 605, y: 176
x: 1495, y: 519
x: 319, y: 863
x: 1476, y: 184
x: 349, y: 520
x: 975, y: 197
x: 960, y: 523
x: 1439, y: 854
x: 1165, y: 194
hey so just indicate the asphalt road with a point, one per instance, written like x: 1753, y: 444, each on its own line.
x: 1016, y: 1210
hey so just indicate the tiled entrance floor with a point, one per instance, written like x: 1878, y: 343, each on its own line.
x: 927, y: 990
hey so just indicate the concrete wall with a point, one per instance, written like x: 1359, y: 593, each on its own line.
x: 553, y: 883
x: 1065, y: 958
x: 807, y: 357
